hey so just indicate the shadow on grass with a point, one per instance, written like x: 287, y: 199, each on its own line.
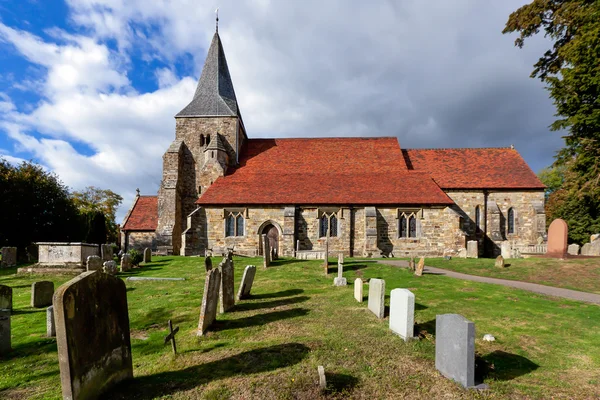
x: 270, y: 304
x: 340, y: 383
x: 502, y: 366
x: 424, y: 328
x: 157, y: 318
x: 259, y: 319
x: 32, y: 348
x: 283, y: 293
x: 280, y: 262
x: 246, y: 363
x: 354, y: 267
x: 31, y: 311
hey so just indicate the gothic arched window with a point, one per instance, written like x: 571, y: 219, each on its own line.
x: 412, y: 226
x: 333, y: 225
x: 234, y: 224
x: 230, y: 225
x: 511, y: 220
x: 201, y: 140
x: 207, y: 140
x: 402, y: 230
x: 409, y: 225
x: 239, y: 226
x: 328, y: 221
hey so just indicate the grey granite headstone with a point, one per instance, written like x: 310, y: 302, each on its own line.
x: 402, y: 313
x: 125, y: 262
x: 573, y: 249
x: 5, y: 345
x: 210, y: 298
x: 92, y: 334
x: 247, y: 281
x: 226, y: 290
x: 41, y: 294
x: 50, y: 325
x: 6, y: 297
x: 376, y: 297
x: 147, y: 255
x: 455, y: 348
x: 266, y: 251
x: 106, y: 252
x: 9, y: 257
x: 109, y: 267
x: 358, y: 290
x: 472, y: 251
x: 93, y: 263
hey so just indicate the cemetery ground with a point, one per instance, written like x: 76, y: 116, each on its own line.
x: 270, y: 345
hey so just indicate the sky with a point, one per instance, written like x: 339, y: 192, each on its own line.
x: 89, y: 88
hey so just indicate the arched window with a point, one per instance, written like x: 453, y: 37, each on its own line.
x: 230, y: 225
x: 234, y: 224
x: 333, y: 226
x: 323, y: 226
x: 402, y: 230
x: 477, y: 218
x: 409, y: 225
x: 412, y: 226
x: 511, y: 220
x: 207, y: 140
x: 328, y: 221
x: 239, y: 226
x: 201, y: 140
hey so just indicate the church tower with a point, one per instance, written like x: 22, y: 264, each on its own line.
x: 209, y: 135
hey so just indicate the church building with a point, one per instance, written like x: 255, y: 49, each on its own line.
x: 368, y: 197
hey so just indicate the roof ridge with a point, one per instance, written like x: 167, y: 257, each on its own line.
x: 462, y: 148
x: 329, y: 137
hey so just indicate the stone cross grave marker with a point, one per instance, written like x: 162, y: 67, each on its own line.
x: 358, y: 290
x: 207, y: 263
x: 420, y: 267
x: 455, y: 348
x: 377, y: 297
x: 9, y: 257
x: 93, y: 263
x: 5, y: 345
x: 147, y: 255
x: 106, y: 252
x: 210, y: 298
x: 41, y: 294
x: 402, y: 313
x: 340, y: 280
x: 50, y: 325
x: 247, y: 281
x: 109, y: 267
x: 472, y: 251
x: 6, y: 297
x: 557, y: 239
x: 171, y: 337
x: 266, y: 251
x: 125, y: 262
x: 226, y: 289
x: 92, y: 334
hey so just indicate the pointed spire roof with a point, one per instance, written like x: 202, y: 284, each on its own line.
x: 214, y: 95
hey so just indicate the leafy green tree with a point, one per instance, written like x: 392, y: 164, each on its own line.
x: 93, y: 199
x: 553, y: 177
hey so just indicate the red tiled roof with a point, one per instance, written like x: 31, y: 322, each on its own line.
x: 324, y: 171
x: 489, y: 168
x: 144, y: 216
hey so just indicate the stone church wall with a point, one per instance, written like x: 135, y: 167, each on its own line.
x: 140, y: 240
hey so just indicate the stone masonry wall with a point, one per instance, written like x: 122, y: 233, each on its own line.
x: 141, y: 240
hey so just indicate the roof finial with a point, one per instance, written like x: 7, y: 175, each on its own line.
x: 217, y: 24
x: 137, y: 192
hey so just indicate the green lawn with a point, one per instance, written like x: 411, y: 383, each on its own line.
x: 270, y: 346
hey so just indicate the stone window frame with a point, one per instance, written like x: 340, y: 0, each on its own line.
x: 235, y: 215
x: 331, y: 214
x: 407, y: 214
x: 511, y: 224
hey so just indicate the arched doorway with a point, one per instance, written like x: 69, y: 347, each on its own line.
x: 273, y: 235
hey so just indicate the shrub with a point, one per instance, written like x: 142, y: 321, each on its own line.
x: 136, y: 256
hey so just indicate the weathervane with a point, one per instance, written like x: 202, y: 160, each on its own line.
x: 217, y: 13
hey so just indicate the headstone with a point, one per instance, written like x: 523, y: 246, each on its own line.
x: 106, y: 252
x: 226, y: 290
x: 109, y: 267
x: 92, y: 334
x: 594, y: 249
x: 322, y: 380
x: 402, y: 313
x: 147, y: 255
x: 93, y: 263
x: 594, y: 237
x: 340, y: 280
x: 230, y: 255
x: 9, y: 257
x: 377, y: 297
x: 247, y: 281
x: 50, y: 325
x: 41, y: 294
x: 125, y: 262
x: 207, y: 264
x: 266, y: 251
x: 462, y: 253
x: 6, y: 297
x: 411, y: 263
x: 5, y: 345
x: 297, y: 245
x: 499, y: 262
x: 420, y: 267
x: 358, y: 290
x: 171, y: 337
x: 506, y: 249
x: 472, y: 251
x: 455, y: 348
x: 573, y: 249
x: 557, y: 239
x: 210, y: 298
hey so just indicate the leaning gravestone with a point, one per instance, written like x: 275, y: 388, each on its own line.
x: 9, y: 257
x: 340, y: 280
x: 50, y: 325
x: 93, y: 263
x: 5, y: 346
x: 557, y: 239
x: 472, y: 251
x: 247, y: 281
x: 210, y: 298
x: 106, y: 252
x: 226, y: 290
x: 420, y: 267
x: 266, y: 251
x: 499, y: 262
x: 573, y: 249
x: 402, y: 313
x: 41, y: 294
x: 6, y: 297
x: 377, y: 297
x: 455, y: 348
x: 358, y: 290
x: 109, y: 267
x: 85, y: 315
x: 147, y: 255
x: 125, y: 262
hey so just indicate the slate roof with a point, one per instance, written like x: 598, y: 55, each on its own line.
x: 216, y: 144
x: 144, y: 215
x: 214, y: 95
x: 478, y: 168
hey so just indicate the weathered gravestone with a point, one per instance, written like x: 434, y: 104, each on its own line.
x: 207, y: 264
x: 147, y: 255
x: 266, y: 251
x: 420, y: 267
x: 226, y: 289
x: 41, y: 294
x: 50, y: 325
x: 9, y: 257
x: 506, y: 249
x: 93, y: 263
x: 472, y: 251
x: 92, y: 334
x: 594, y: 249
x: 455, y: 348
x: 376, y: 297
x: 358, y: 290
x: 573, y: 249
x: 247, y: 281
x: 499, y: 262
x: 411, y: 263
x: 557, y: 239
x: 109, y: 267
x: 462, y: 253
x: 5, y: 345
x: 322, y: 379
x: 125, y: 262
x: 210, y: 298
x: 586, y: 249
x: 340, y: 280
x: 6, y: 297
x: 402, y: 313
x: 106, y: 252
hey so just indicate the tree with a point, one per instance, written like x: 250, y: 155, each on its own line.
x: 553, y: 177
x: 571, y: 70
x: 93, y: 199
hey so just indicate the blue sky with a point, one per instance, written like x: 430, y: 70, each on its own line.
x: 89, y: 88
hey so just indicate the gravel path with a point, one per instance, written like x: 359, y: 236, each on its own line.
x: 532, y: 287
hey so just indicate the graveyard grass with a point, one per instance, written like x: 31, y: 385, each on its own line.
x: 269, y: 346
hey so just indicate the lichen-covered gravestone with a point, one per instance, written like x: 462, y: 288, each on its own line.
x: 41, y: 294
x: 472, y: 251
x: 499, y: 262
x: 210, y: 298
x: 6, y: 297
x: 92, y: 334
x: 106, y: 252
x: 506, y: 249
x: 402, y: 313
x: 455, y: 348
x: 109, y: 267
x: 50, y: 325
x: 147, y: 255
x: 125, y: 262
x: 358, y: 290
x: 247, y: 281
x: 9, y: 257
x: 573, y: 249
x: 420, y: 267
x: 5, y: 345
x: 226, y: 290
x: 94, y: 263
x: 376, y: 297
x: 557, y: 239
